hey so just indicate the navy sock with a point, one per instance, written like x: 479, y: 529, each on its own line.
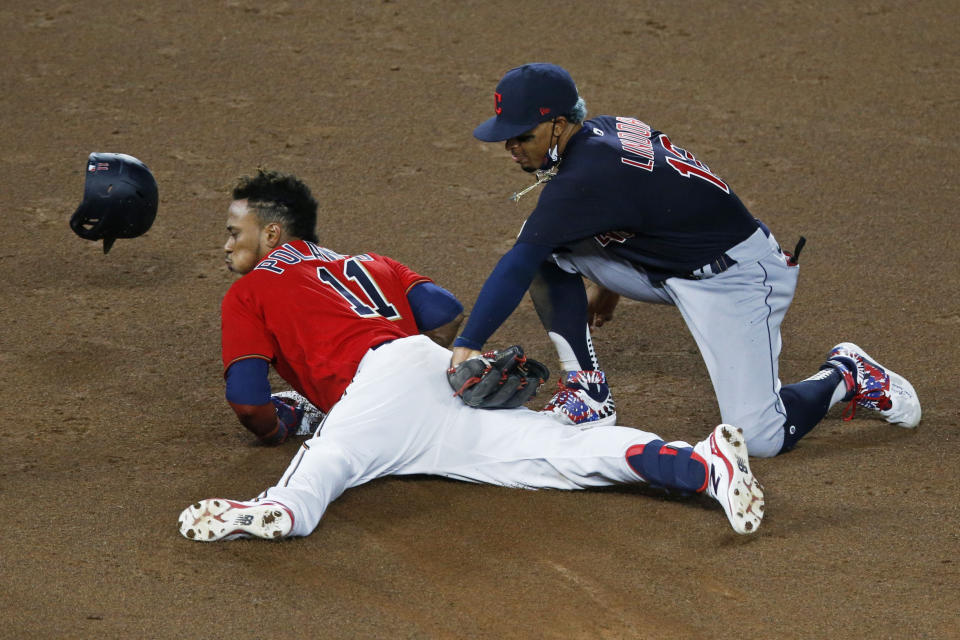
x: 806, y: 403
x: 668, y: 467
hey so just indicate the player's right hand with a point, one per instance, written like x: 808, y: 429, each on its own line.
x: 601, y: 303
x: 288, y: 413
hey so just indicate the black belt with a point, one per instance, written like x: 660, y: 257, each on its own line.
x: 377, y: 346
x: 710, y: 269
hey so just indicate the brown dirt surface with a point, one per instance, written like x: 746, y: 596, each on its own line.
x: 837, y: 121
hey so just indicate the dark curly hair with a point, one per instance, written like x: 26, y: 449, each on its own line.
x: 280, y: 197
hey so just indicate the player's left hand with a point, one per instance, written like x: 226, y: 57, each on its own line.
x: 462, y: 353
x: 445, y: 334
x: 497, y: 379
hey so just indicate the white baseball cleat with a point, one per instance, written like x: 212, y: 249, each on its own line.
x: 876, y: 387
x: 218, y: 519
x: 731, y: 483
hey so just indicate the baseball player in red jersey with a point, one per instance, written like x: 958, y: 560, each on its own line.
x: 317, y: 359
x: 336, y: 345
x: 344, y: 331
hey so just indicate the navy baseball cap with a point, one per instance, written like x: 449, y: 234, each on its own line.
x: 527, y: 96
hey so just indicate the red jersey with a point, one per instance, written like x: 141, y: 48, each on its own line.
x: 314, y: 313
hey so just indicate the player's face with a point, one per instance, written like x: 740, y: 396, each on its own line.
x: 530, y: 149
x: 244, y: 242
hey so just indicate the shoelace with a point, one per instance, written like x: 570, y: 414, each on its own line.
x: 882, y: 403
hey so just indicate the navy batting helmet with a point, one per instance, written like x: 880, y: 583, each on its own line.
x: 119, y: 199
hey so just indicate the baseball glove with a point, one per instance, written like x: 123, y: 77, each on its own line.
x: 498, y: 379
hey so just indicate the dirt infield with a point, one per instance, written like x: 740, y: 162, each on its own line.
x: 835, y: 122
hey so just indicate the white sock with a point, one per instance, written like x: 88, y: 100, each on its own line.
x: 838, y: 393
x: 568, y: 359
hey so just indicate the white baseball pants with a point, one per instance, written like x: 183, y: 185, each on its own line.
x: 399, y: 417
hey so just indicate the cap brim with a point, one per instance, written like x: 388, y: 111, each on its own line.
x: 497, y: 130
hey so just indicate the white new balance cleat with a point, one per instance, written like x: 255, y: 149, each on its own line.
x: 877, y: 387
x: 731, y: 483
x: 218, y: 519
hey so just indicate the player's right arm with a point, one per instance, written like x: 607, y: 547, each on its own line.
x: 248, y: 393
x: 247, y: 350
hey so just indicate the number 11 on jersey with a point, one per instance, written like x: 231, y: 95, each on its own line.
x: 354, y: 271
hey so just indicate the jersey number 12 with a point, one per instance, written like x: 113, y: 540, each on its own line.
x: 378, y: 305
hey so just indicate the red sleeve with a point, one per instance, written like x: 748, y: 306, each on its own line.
x: 243, y: 333
x: 407, y: 276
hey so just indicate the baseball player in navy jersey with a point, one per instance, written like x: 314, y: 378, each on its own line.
x: 628, y: 209
x: 344, y: 331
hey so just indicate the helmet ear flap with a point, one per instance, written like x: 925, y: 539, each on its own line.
x: 84, y: 224
x: 90, y: 218
x: 120, y: 199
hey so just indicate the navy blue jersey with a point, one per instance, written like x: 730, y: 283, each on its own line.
x: 641, y: 197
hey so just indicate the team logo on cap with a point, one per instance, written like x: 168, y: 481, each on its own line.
x: 498, y: 103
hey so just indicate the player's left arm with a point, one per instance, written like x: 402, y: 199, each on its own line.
x: 500, y: 295
x: 437, y: 312
x: 445, y: 334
